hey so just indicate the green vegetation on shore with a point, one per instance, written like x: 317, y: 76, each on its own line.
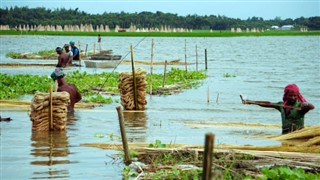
x: 195, y: 33
x: 14, y: 86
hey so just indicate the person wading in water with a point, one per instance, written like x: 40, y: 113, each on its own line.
x: 75, y: 96
x: 293, y: 108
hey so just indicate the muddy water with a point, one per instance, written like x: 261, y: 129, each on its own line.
x: 262, y: 67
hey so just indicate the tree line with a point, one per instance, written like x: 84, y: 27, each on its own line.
x: 15, y: 16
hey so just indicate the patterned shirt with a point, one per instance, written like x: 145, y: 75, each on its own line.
x: 293, y: 120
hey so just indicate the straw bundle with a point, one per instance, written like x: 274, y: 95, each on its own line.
x: 39, y: 114
x: 311, y: 136
x: 126, y: 89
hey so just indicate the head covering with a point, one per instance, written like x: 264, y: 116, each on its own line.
x: 292, y: 88
x: 57, y: 73
x: 58, y: 49
x: 71, y: 43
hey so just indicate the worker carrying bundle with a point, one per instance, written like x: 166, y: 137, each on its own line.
x: 126, y: 88
x: 40, y: 108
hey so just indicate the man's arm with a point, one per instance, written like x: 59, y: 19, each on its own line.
x: 262, y: 103
x: 305, y: 107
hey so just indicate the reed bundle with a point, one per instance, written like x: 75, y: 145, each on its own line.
x: 310, y: 135
x: 126, y: 89
x: 40, y: 111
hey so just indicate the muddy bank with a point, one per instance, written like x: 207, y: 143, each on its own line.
x: 239, y: 160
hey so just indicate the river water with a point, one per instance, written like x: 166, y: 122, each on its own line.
x: 261, y: 66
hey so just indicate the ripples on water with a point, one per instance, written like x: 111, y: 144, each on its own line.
x: 262, y: 66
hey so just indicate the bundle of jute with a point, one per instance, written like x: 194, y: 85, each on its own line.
x: 126, y: 88
x: 310, y: 135
x: 40, y: 111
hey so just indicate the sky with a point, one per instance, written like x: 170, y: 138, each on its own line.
x: 243, y: 9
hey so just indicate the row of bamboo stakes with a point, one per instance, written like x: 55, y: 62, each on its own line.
x: 165, y: 63
x: 152, y: 55
x: 209, y: 138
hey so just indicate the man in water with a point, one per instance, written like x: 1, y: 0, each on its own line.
x: 68, y: 53
x: 63, y: 60
x: 293, y: 108
x: 75, y: 51
x: 75, y: 96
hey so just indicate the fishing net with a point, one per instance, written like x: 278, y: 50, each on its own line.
x: 39, y: 113
x: 126, y: 89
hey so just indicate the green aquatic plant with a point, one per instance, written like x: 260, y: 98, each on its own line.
x: 228, y: 75
x: 99, y: 99
x: 44, y: 54
x: 133, y: 154
x: 13, y: 55
x: 90, y: 85
x: 14, y: 86
x: 111, y: 136
x: 157, y: 144
x: 175, y: 173
x: 285, y: 172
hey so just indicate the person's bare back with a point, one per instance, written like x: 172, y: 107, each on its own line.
x: 63, y: 59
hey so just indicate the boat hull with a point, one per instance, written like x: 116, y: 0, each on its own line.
x: 101, y: 63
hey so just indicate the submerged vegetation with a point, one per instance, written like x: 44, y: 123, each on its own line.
x: 93, y: 87
x: 44, y: 54
x: 49, y: 54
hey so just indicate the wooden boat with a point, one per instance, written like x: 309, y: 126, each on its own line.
x: 101, y: 63
x: 105, y: 57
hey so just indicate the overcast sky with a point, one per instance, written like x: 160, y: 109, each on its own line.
x: 267, y: 9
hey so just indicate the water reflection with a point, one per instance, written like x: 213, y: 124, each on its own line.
x: 49, y: 149
x: 135, y: 123
x: 71, y: 119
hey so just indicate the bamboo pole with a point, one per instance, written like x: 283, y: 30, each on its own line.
x: 164, y: 74
x: 206, y: 59
x: 135, y: 93
x: 207, y: 157
x: 85, y: 52
x: 79, y: 53
x: 50, y: 110
x: 196, y: 58
x: 185, y: 54
x: 123, y: 136
x: 151, y: 66
x: 217, y: 100
x: 94, y: 48
x: 208, y: 95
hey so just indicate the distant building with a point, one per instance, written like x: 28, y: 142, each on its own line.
x: 274, y: 27
x: 287, y: 27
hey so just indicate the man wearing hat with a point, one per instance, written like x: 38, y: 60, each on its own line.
x: 75, y: 96
x: 63, y: 60
x: 75, y: 51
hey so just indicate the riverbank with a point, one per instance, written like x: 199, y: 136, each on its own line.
x: 195, y: 33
